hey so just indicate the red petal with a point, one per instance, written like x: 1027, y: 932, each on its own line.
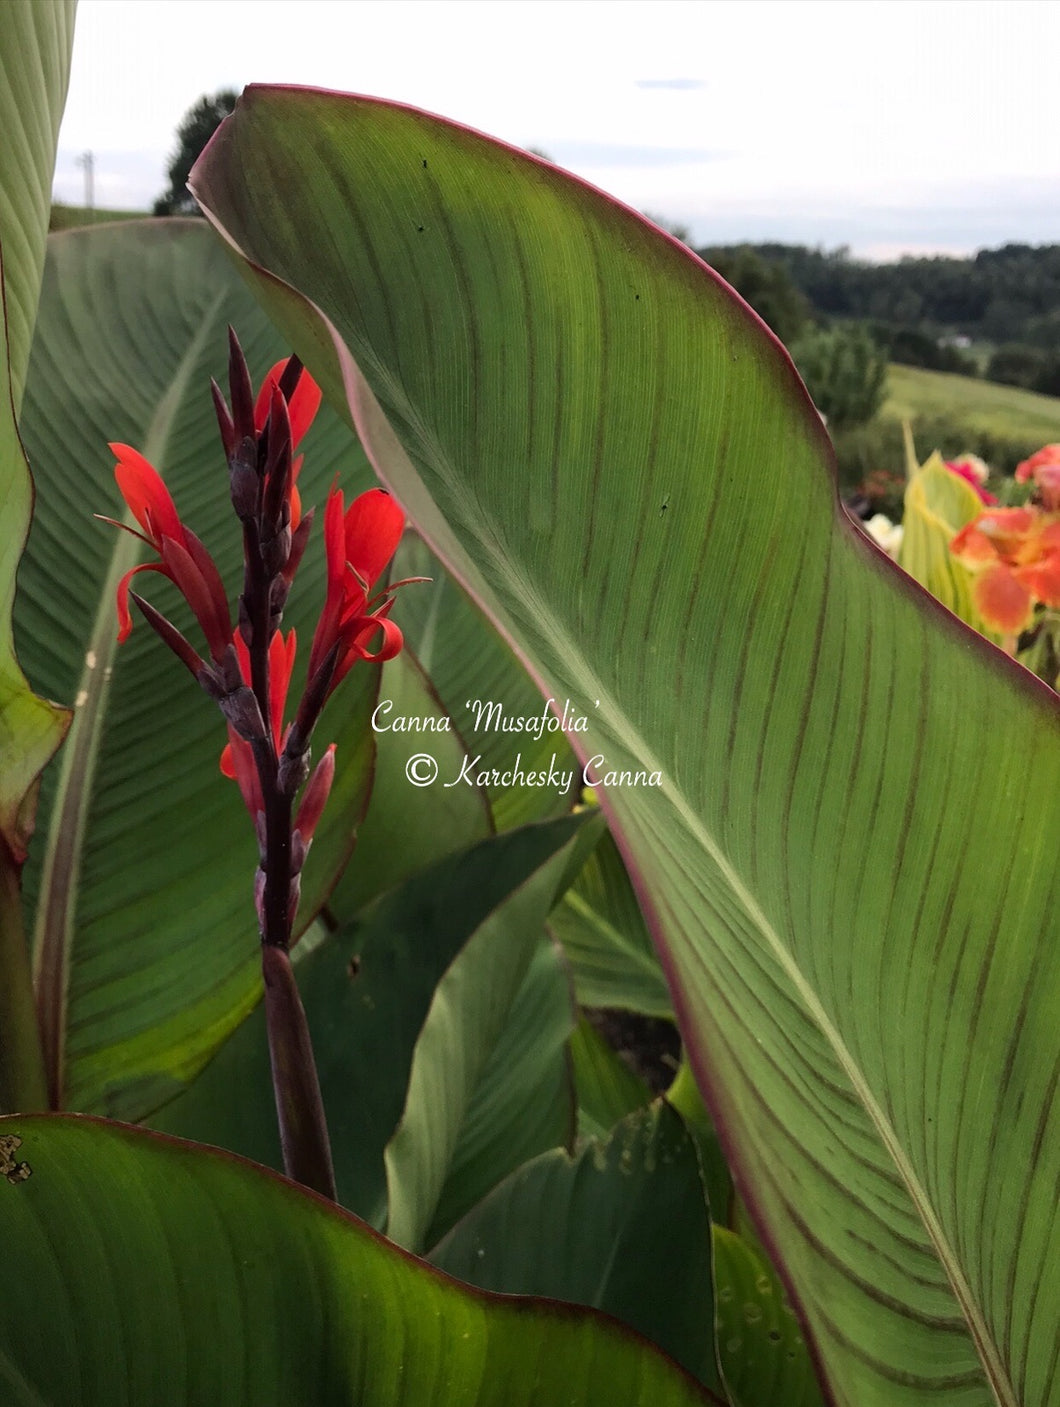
x: 973, y: 547
x: 264, y: 400
x: 148, y: 498
x: 365, y: 629
x: 327, y: 629
x: 315, y: 795
x: 374, y: 524
x: 237, y: 762
x: 301, y: 408
x: 122, y: 597
x: 1042, y: 579
x: 183, y: 570
x: 1048, y: 454
x: 281, y: 663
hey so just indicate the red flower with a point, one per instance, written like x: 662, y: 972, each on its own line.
x: 301, y: 412
x: 972, y: 470
x: 237, y: 759
x: 184, y: 560
x: 1044, y: 468
x: 301, y: 408
x: 359, y: 544
x: 1015, y: 554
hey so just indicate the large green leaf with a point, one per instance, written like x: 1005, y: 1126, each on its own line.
x: 510, y: 736
x: 607, y: 941
x: 151, y: 1271
x: 432, y: 820
x: 35, y: 44
x: 606, y: 1088
x: 523, y: 1102
x: 470, y: 1014
x: 139, y: 889
x: 369, y: 994
x: 622, y: 1226
x: 845, y: 824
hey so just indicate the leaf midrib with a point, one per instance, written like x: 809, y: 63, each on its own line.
x: 53, y: 930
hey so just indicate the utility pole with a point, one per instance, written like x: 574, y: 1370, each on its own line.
x: 87, y: 160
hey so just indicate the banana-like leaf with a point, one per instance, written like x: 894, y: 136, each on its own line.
x: 369, y: 994
x: 839, y: 805
x: 154, y: 1271
x: 607, y: 941
x: 470, y: 1009
x: 606, y: 1089
x: 938, y: 503
x: 433, y: 820
x: 523, y: 1102
x: 140, y: 884
x: 622, y: 1226
x: 36, y: 42
x: 35, y: 45
x: 494, y: 705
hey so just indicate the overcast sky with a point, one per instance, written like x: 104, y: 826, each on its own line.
x: 892, y: 126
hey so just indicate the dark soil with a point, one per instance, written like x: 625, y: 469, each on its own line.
x: 649, y: 1046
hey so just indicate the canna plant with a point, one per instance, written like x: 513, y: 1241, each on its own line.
x: 623, y: 499
x: 249, y: 675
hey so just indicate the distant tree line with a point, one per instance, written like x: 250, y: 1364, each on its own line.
x: 918, y: 311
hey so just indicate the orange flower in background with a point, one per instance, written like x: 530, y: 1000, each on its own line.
x: 1015, y: 556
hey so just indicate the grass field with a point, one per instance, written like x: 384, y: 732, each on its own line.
x: 1002, y: 412
x: 70, y: 217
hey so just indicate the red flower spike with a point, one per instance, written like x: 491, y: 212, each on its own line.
x: 184, y: 560
x: 301, y: 407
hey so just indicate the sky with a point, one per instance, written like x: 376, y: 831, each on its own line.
x: 890, y: 126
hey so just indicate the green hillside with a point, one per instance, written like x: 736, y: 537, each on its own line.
x: 69, y: 217
x: 1000, y: 412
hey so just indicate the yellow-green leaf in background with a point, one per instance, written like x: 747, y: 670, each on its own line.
x: 938, y: 503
